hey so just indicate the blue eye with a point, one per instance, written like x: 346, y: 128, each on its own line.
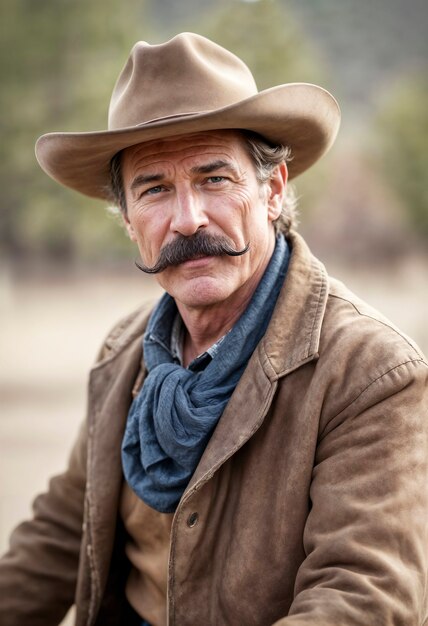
x: 216, y: 179
x: 154, y: 190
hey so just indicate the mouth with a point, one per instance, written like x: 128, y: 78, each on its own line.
x: 198, y: 261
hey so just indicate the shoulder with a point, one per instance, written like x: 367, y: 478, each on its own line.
x: 126, y: 331
x: 349, y: 320
x: 362, y: 354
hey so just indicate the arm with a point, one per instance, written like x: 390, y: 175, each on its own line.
x: 366, y: 537
x: 38, y: 574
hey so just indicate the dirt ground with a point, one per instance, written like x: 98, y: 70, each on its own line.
x: 50, y: 332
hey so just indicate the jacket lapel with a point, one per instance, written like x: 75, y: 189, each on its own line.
x: 110, y: 395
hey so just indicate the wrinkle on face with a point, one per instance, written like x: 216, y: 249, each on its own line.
x: 179, y: 160
x: 178, y: 168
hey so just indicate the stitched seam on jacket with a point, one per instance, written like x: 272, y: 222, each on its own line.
x: 95, y: 585
x: 321, y: 292
x: 171, y: 581
x: 113, y: 355
x: 375, y: 380
x: 114, y: 339
x: 376, y: 319
x: 94, y: 579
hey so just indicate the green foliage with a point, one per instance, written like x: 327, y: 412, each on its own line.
x: 266, y: 37
x: 402, y: 129
x: 58, y: 61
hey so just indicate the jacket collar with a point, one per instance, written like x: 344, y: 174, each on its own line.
x: 293, y: 335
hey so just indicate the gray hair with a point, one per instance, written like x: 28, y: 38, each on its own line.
x: 265, y: 157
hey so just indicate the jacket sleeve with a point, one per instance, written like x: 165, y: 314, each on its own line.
x: 38, y: 574
x: 366, y: 537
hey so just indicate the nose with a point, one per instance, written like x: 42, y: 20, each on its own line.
x: 188, y: 212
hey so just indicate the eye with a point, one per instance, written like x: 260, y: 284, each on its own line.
x: 154, y: 190
x: 216, y: 179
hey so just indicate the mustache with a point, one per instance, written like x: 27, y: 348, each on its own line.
x: 184, y: 249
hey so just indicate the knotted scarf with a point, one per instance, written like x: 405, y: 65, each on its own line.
x: 172, y: 418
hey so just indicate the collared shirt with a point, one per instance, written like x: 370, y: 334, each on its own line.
x: 167, y: 330
x: 176, y: 347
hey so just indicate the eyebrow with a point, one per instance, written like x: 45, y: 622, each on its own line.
x: 208, y: 168
x: 144, y: 179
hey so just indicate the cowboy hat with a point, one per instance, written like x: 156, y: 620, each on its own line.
x: 190, y: 84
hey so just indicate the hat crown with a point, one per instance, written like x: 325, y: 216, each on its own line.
x: 188, y: 74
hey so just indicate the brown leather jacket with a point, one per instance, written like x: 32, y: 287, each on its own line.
x: 311, y: 495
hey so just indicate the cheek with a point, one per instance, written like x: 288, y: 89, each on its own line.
x: 253, y: 215
x: 148, y: 231
x: 238, y: 208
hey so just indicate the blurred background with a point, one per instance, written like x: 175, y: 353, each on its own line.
x: 66, y: 268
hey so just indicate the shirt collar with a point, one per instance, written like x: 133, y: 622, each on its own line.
x: 166, y: 331
x: 176, y: 347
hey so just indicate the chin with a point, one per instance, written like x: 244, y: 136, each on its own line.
x: 206, y: 291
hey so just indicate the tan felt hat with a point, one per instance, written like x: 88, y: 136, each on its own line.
x: 190, y: 84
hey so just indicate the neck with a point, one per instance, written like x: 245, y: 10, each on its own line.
x: 205, y: 327
x: 207, y: 324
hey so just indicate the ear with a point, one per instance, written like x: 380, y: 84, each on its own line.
x: 128, y: 226
x: 276, y: 189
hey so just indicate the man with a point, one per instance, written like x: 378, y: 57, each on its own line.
x: 256, y: 445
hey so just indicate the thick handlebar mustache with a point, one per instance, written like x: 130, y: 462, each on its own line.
x: 184, y: 249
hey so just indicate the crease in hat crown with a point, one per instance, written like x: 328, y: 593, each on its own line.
x: 190, y: 84
x: 213, y: 78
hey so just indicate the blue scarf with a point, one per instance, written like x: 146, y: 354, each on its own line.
x: 171, y: 420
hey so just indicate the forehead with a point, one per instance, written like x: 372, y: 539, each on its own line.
x: 194, y: 146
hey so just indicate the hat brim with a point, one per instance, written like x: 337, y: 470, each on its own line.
x: 302, y: 116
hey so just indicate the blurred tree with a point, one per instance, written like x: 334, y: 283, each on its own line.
x: 265, y: 35
x: 58, y: 63
x: 401, y: 126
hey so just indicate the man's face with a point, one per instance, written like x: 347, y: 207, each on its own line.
x: 202, y: 182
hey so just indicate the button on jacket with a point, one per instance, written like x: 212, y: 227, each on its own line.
x: 309, y: 506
